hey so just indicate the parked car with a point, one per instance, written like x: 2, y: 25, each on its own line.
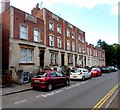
x: 80, y: 73
x: 96, y: 72
x: 105, y: 70
x: 49, y: 79
x: 113, y: 69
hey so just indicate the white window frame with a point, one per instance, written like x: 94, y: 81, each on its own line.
x: 26, y: 55
x: 51, y: 40
x: 79, y: 38
x: 53, y: 58
x: 83, y: 40
x: 51, y: 26
x: 68, y: 45
x: 83, y: 50
x: 29, y: 56
x: 36, y: 36
x: 59, y: 29
x: 73, y: 35
x: 70, y: 59
x: 23, y: 33
x: 23, y: 55
x: 73, y: 46
x: 59, y: 42
x: 68, y: 33
x: 80, y: 49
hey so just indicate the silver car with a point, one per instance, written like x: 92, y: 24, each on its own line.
x: 80, y: 73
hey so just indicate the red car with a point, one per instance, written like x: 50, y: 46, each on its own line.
x: 96, y: 72
x: 49, y: 79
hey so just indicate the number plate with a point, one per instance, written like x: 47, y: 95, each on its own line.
x: 74, y: 76
x: 36, y: 80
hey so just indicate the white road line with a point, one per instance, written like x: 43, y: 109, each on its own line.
x: 20, y: 102
x: 58, y: 91
x: 84, y: 82
x: 39, y: 96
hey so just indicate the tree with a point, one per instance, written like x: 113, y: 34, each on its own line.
x: 112, y: 53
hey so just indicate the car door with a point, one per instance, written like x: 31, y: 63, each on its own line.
x: 86, y: 73
x: 53, y: 78
x: 61, y: 79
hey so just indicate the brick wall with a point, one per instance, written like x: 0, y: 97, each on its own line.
x: 19, y: 18
x: 5, y: 38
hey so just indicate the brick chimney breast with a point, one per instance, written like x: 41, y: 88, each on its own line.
x: 5, y: 4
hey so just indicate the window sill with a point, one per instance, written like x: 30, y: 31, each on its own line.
x: 23, y: 39
x: 36, y: 41
x: 70, y: 64
x: 58, y: 33
x: 54, y: 64
x: 26, y: 63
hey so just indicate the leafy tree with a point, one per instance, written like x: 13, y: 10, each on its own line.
x: 112, y: 52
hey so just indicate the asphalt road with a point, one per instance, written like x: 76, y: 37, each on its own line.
x: 80, y: 94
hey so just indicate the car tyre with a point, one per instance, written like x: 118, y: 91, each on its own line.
x: 49, y: 87
x: 90, y: 76
x: 83, y: 78
x: 67, y: 83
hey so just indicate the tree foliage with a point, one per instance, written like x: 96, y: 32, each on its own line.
x: 112, y: 53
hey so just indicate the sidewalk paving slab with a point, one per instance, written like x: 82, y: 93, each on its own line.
x: 15, y: 88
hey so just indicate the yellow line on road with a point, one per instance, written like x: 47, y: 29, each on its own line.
x: 104, y: 99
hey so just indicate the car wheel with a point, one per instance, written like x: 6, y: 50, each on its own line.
x: 83, y: 78
x: 67, y: 82
x: 49, y: 87
x: 90, y: 76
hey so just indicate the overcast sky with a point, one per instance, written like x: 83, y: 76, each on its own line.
x: 97, y: 18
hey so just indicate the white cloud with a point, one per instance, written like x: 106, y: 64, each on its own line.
x: 92, y: 37
x: 115, y: 9
x: 27, y: 6
x: 83, y: 3
x: 86, y: 3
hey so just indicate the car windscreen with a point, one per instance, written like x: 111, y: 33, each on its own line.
x: 104, y: 68
x: 73, y: 70
x: 41, y: 75
x: 94, y: 69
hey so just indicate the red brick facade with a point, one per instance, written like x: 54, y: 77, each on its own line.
x: 5, y: 39
x: 50, y: 25
x: 19, y: 18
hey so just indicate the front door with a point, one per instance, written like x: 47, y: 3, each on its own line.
x: 41, y: 55
x: 62, y: 59
x: 75, y: 60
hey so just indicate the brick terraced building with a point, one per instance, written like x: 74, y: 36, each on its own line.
x: 31, y: 41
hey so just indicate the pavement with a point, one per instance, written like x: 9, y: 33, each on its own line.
x: 115, y: 101
x: 15, y: 88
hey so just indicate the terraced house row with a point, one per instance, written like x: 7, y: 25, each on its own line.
x: 31, y: 41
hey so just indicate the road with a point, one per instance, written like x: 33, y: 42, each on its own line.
x: 80, y: 94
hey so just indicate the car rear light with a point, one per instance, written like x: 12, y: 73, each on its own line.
x: 80, y: 73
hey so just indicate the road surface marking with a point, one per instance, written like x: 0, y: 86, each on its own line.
x: 20, y: 102
x: 105, y: 98
x: 112, y: 99
x: 58, y: 91
x: 50, y: 94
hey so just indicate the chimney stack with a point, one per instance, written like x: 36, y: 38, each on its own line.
x: 5, y: 4
x: 37, y: 6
